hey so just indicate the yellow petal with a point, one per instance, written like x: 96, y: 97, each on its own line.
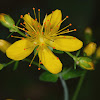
x: 66, y: 43
x: 20, y: 49
x: 53, y: 19
x: 90, y: 49
x: 30, y: 23
x: 50, y: 61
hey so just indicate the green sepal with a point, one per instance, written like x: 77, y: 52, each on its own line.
x: 81, y: 59
x: 72, y: 73
x: 58, y: 51
x: 48, y: 77
x: 15, y: 65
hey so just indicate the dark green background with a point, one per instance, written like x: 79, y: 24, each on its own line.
x: 24, y: 83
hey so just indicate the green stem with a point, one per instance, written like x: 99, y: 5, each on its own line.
x: 9, y: 63
x: 79, y: 86
x: 64, y: 87
x: 70, y: 55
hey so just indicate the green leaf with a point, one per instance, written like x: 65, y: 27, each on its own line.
x: 68, y: 74
x: 48, y: 77
x: 58, y: 51
x: 15, y: 65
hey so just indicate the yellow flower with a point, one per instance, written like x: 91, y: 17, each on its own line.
x: 4, y: 45
x: 43, y: 36
x: 98, y: 52
x: 90, y: 48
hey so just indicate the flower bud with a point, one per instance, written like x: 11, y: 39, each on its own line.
x: 8, y: 22
x: 1, y: 66
x: 4, y: 45
x: 87, y: 35
x: 85, y: 63
x: 90, y: 49
x: 98, y: 52
x: 88, y: 31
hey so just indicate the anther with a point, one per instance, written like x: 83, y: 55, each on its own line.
x: 45, y: 26
x: 74, y: 29
x: 21, y: 16
x: 50, y: 24
x: 74, y: 38
x: 33, y: 8
x: 13, y: 25
x: 26, y: 35
x: 42, y: 32
x: 42, y: 44
x: 37, y: 49
x: 57, y: 58
x: 39, y: 68
x: 64, y: 36
x: 11, y: 35
x: 38, y: 26
x: 33, y: 23
x: 23, y: 28
x: 36, y: 19
x: 37, y: 32
x: 21, y: 24
x: 38, y: 9
x: 67, y: 16
x: 22, y: 38
x: 57, y: 25
x: 52, y: 11
x: 48, y: 20
x: 53, y: 47
x: 44, y: 22
x: 67, y: 29
x: 28, y: 13
x: 24, y: 49
x: 51, y: 29
x: 70, y: 24
x: 24, y: 23
x: 29, y: 65
x: 40, y: 62
x: 32, y: 32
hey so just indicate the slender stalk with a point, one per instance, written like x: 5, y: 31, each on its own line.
x: 70, y: 54
x: 64, y: 87
x: 79, y: 86
x: 9, y: 63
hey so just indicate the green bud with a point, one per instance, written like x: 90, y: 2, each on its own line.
x: 8, y: 22
x: 85, y: 63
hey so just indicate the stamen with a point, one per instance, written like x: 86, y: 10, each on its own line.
x: 21, y: 16
x: 57, y: 58
x: 29, y: 65
x: 34, y: 12
x: 39, y: 68
x: 39, y: 15
x: 34, y: 56
x: 40, y: 62
x: 17, y: 37
x: 74, y: 29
